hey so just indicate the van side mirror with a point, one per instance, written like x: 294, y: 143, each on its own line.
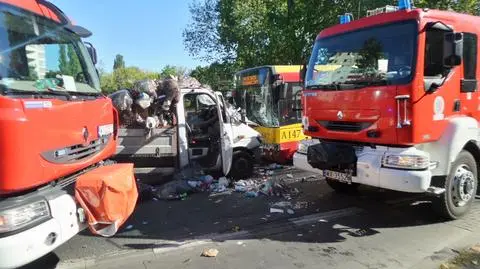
x: 243, y: 115
x: 303, y: 72
x: 92, y: 51
x: 452, y: 49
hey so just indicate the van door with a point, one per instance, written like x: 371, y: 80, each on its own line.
x: 226, y: 134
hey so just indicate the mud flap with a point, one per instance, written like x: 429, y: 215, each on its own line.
x: 108, y: 195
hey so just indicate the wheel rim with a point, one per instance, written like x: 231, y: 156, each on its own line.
x: 463, y: 186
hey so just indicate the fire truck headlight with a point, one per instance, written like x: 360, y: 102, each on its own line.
x: 414, y: 162
x: 19, y: 217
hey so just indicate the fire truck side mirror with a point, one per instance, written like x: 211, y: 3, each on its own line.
x: 303, y: 72
x: 92, y: 51
x: 452, y: 49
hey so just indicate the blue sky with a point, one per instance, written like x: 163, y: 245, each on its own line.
x: 148, y: 33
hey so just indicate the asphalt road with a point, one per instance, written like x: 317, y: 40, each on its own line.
x: 372, y: 229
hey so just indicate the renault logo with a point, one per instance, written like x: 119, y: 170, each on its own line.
x: 340, y: 115
x: 85, y: 134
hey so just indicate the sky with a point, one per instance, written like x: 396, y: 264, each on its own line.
x: 148, y: 33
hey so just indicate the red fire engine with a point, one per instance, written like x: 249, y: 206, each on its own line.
x: 393, y: 98
x: 55, y: 127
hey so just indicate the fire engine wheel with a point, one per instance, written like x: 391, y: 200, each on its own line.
x: 341, y: 187
x: 460, y: 188
x: 242, y: 165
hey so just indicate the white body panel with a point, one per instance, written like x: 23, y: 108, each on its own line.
x: 24, y: 247
x: 459, y: 132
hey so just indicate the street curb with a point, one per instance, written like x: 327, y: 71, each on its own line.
x: 434, y: 260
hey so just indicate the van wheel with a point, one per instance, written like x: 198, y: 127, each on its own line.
x: 341, y: 187
x: 242, y: 165
x: 460, y: 188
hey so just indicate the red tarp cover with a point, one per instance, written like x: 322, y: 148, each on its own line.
x: 108, y: 195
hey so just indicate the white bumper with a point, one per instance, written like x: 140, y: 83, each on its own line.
x: 300, y: 162
x: 22, y: 248
x: 370, y: 172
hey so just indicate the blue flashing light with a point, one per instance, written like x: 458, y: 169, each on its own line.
x: 346, y: 18
x: 405, y: 4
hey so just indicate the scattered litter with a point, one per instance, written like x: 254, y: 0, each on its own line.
x: 216, y: 222
x: 276, y: 210
x: 187, y: 260
x: 212, y: 252
x: 145, y: 222
x: 283, y: 204
x: 240, y: 243
x: 289, y: 175
x: 155, y: 199
x: 236, y: 228
x: 299, y: 235
x: 265, y: 219
x: 291, y: 212
x: 129, y: 227
x: 251, y: 194
x: 322, y: 220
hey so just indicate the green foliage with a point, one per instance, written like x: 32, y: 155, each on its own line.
x: 219, y: 76
x: 118, y: 62
x: 74, y: 67
x: 171, y: 70
x: 62, y: 60
x: 68, y: 62
x: 260, y: 32
x: 122, y: 78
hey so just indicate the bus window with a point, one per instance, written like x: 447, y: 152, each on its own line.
x: 291, y: 100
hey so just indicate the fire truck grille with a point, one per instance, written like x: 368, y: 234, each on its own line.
x: 77, y: 152
x: 345, y: 126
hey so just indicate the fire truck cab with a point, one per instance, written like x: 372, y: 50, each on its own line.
x: 393, y: 99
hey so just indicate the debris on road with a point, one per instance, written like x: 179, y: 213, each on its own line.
x: 212, y: 252
x: 291, y: 212
x: 276, y: 210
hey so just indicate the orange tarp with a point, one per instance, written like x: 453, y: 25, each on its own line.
x: 108, y: 195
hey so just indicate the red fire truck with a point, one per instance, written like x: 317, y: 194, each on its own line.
x: 398, y: 107
x: 55, y: 126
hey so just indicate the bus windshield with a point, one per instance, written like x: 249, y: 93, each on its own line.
x: 265, y: 104
x: 254, y: 94
x: 37, y: 55
x: 380, y: 55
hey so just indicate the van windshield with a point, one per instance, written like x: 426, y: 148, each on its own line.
x: 380, y: 55
x: 37, y: 55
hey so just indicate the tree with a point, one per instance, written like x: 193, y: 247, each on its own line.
x: 123, y: 78
x: 171, y: 70
x: 62, y: 59
x: 259, y: 32
x: 73, y: 68
x: 118, y: 62
x: 219, y: 76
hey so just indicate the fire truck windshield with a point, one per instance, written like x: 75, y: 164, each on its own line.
x: 39, y: 56
x: 380, y: 55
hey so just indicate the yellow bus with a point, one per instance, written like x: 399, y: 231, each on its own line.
x: 267, y: 96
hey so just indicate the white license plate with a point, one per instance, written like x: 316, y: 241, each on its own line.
x: 342, y: 177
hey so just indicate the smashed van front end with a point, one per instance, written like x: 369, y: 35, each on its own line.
x: 361, y: 85
x: 55, y: 125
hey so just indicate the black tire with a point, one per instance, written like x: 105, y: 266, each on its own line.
x: 242, y: 165
x: 341, y: 187
x: 451, y: 204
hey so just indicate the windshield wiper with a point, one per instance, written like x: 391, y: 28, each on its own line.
x: 366, y: 83
x: 335, y: 86
x: 37, y: 93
